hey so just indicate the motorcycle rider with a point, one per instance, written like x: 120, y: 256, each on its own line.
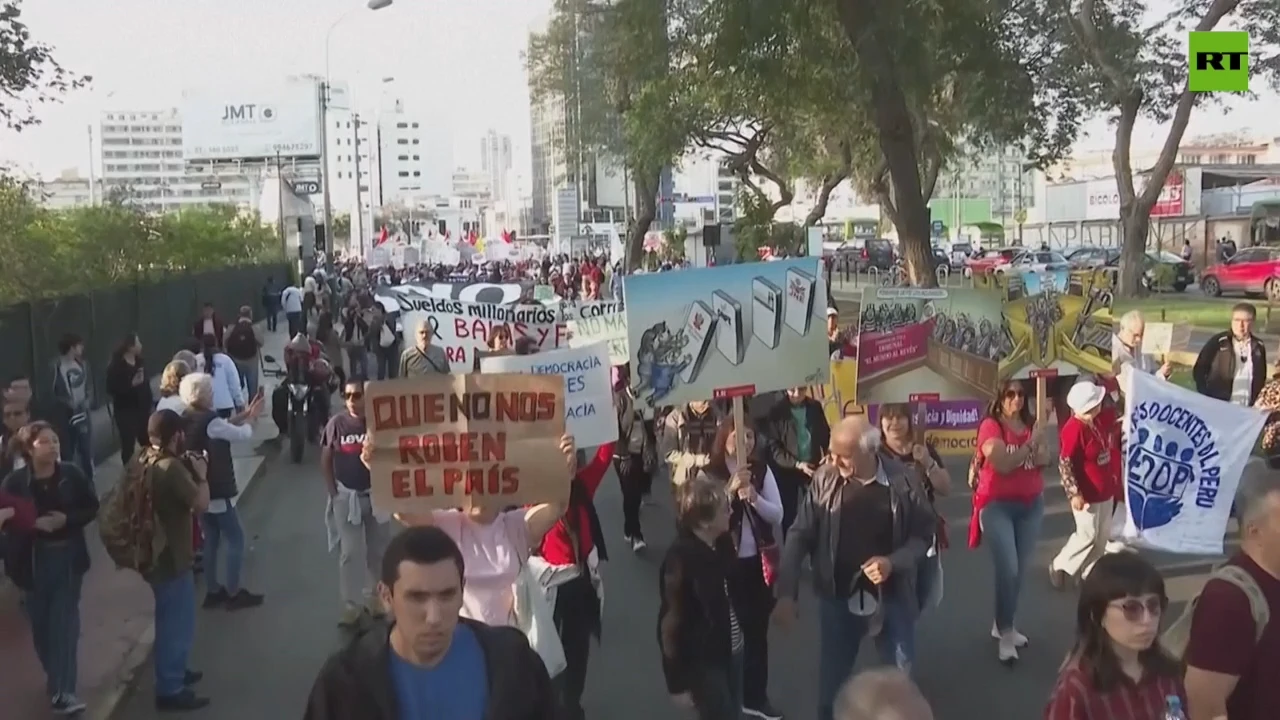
x: 304, y: 364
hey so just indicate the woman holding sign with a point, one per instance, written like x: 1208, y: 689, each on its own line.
x: 495, y: 544
x: 755, y: 517
x: 1008, y: 503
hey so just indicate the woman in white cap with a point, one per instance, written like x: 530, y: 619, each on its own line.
x: 1089, y: 464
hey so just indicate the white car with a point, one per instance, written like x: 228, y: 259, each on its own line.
x: 1033, y: 261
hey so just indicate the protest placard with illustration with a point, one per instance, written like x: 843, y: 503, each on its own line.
x: 462, y: 441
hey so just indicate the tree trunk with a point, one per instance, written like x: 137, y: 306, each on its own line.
x: 897, y: 136
x: 646, y: 183
x: 1133, y: 224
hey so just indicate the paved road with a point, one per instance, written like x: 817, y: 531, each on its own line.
x: 260, y: 664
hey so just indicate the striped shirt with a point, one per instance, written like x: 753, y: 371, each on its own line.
x: 1074, y: 698
x: 735, y: 630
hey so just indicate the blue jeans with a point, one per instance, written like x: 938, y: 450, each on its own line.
x: 175, y: 621
x: 218, y: 527
x: 53, y: 608
x: 928, y: 581
x: 840, y: 635
x: 77, y: 446
x: 1011, y: 530
x: 717, y: 691
x: 248, y: 377
x: 357, y: 364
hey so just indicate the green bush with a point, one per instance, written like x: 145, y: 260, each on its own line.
x: 49, y: 253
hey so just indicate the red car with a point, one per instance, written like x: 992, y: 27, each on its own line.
x: 1252, y: 270
x: 985, y: 261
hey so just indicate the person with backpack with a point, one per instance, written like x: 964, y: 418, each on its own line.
x: 242, y: 344
x: 169, y: 488
x: 49, y: 563
x: 1232, y: 651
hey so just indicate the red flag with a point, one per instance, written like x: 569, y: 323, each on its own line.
x: 506, y: 236
x: 382, y: 237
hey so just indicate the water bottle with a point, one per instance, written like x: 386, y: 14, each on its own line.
x: 1173, y: 708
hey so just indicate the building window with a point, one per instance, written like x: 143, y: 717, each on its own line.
x: 1248, y: 159
x: 415, y: 141
x: 415, y: 157
x: 415, y: 126
x: 402, y: 125
x: 403, y: 173
x: 402, y: 157
x: 339, y: 174
x: 417, y: 174
x: 402, y: 141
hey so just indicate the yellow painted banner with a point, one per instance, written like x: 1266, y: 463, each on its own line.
x: 839, y: 397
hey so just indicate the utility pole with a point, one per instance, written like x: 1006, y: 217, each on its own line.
x: 93, y: 181
x: 324, y: 166
x: 284, y: 243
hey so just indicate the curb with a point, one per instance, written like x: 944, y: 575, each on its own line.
x: 105, y: 707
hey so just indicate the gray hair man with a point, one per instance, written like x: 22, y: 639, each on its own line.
x: 1126, y: 347
x: 865, y: 524
x: 1230, y: 661
x: 424, y: 357
x: 885, y: 694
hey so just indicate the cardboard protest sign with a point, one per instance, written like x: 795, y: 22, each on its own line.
x: 458, y: 441
x: 610, y: 328
x: 589, y: 414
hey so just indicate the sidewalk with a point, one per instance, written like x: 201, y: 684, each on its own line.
x: 116, y: 631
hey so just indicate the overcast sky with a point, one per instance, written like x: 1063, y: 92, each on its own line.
x: 458, y: 60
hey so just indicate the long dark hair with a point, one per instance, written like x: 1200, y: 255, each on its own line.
x: 718, y: 458
x: 209, y: 348
x: 1114, y: 577
x: 125, y: 345
x: 995, y: 410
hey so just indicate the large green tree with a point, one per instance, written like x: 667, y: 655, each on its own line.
x: 613, y: 70
x: 29, y: 75
x: 1133, y: 65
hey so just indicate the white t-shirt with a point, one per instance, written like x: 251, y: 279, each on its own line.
x: 1242, y: 383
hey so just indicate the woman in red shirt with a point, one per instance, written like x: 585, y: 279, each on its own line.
x: 1008, y: 503
x: 1089, y: 464
x: 568, y: 565
x: 1117, y: 670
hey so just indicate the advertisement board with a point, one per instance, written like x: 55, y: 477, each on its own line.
x: 1180, y: 196
x: 249, y: 123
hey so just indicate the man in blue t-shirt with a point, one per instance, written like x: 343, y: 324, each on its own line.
x: 431, y: 664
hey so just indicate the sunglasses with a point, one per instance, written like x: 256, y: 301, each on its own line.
x: 353, y: 395
x: 1136, y: 609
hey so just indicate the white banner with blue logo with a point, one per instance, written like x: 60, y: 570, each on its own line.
x: 1184, y: 454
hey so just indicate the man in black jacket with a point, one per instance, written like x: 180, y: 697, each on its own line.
x: 1232, y: 365
x: 430, y: 663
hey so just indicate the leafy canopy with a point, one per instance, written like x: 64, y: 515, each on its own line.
x: 29, y: 75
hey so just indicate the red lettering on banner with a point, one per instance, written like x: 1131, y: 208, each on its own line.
x: 495, y: 480
x: 452, y: 447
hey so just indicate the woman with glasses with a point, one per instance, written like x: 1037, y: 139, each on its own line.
x: 1008, y: 503
x: 1117, y: 669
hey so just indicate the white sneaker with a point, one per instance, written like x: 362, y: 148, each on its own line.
x: 638, y: 544
x: 1019, y: 640
x: 1007, y: 650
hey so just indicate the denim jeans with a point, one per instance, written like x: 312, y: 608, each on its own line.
x: 53, y: 608
x: 218, y: 527
x: 357, y: 364
x: 840, y: 635
x: 717, y: 691
x: 248, y: 376
x: 929, y: 581
x: 388, y: 362
x: 77, y: 446
x: 295, y: 323
x: 273, y: 318
x: 175, y: 621
x: 1010, y: 529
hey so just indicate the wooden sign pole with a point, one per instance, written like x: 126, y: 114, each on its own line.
x: 1041, y: 402
x: 739, y: 438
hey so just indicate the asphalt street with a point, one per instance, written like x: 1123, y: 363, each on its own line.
x: 260, y: 664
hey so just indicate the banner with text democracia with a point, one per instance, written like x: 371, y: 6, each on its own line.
x: 1184, y: 454
x: 462, y: 441
x: 588, y: 394
x: 463, y: 328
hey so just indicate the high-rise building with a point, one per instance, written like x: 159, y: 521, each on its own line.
x: 416, y: 154
x: 1000, y: 177
x: 495, y: 159
x: 142, y: 160
x: 351, y: 155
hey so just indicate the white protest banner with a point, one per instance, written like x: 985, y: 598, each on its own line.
x: 1184, y: 454
x: 611, y: 329
x: 588, y: 397
x: 591, y: 308
x: 463, y: 328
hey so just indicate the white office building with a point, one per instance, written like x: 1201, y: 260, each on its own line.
x: 495, y: 161
x: 1001, y: 176
x: 66, y: 192
x: 472, y: 184
x: 142, y: 159
x: 352, y: 157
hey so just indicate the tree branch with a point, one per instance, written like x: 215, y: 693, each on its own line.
x: 829, y: 184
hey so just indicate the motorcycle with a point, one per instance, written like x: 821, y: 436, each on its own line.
x: 300, y: 405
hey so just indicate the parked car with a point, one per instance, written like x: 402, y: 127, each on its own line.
x: 1033, y: 261
x: 1252, y: 270
x: 877, y: 253
x: 960, y: 251
x: 1091, y: 258
x: 985, y: 261
x: 1160, y: 270
x: 941, y: 258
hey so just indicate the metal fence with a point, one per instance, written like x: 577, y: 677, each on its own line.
x: 161, y: 311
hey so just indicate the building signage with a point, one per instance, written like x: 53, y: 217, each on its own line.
x: 306, y: 187
x: 1218, y: 61
x: 1103, y: 197
x: 246, y: 124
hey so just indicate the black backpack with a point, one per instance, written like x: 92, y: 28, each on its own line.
x: 241, y: 343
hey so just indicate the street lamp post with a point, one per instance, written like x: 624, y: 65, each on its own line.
x: 324, y: 124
